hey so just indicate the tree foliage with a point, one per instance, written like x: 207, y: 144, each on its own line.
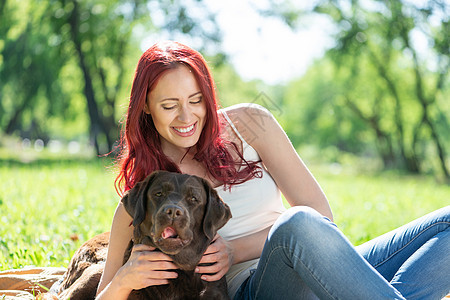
x: 382, y: 89
x: 55, y: 53
x: 384, y: 85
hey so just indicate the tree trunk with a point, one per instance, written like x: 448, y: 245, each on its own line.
x: 96, y: 124
x: 425, y: 103
x: 410, y: 159
x: 14, y: 122
x: 383, y: 141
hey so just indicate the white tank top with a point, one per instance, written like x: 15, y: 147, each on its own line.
x: 255, y: 205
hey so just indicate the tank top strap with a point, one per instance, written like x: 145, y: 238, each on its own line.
x: 225, y: 115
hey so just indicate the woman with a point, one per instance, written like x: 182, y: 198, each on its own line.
x: 266, y: 252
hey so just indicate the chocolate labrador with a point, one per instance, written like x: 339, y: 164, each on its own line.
x: 176, y: 213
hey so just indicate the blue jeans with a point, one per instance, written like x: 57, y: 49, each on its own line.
x: 307, y: 257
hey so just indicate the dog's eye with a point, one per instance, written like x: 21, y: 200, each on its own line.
x: 158, y: 194
x: 193, y: 199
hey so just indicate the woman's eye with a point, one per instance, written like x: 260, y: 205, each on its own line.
x: 196, y: 101
x: 168, y: 107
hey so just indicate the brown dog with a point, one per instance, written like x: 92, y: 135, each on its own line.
x: 176, y: 213
x: 179, y: 215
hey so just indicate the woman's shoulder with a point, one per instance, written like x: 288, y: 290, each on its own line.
x: 245, y: 110
x: 251, y: 120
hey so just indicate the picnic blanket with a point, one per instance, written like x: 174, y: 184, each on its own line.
x: 27, y: 283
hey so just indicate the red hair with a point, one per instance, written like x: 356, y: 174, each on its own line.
x: 141, y: 147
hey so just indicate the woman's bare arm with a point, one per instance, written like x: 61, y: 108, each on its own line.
x: 121, y: 233
x: 260, y: 129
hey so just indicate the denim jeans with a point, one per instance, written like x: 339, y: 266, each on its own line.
x: 307, y: 257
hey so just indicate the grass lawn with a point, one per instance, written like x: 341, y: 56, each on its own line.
x: 367, y: 205
x: 49, y: 207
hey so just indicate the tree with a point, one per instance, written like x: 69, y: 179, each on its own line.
x: 390, y: 82
x: 94, y: 39
x: 29, y: 69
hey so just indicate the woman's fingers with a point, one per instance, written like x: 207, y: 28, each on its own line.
x: 142, y: 247
x: 216, y: 260
x: 147, y: 267
x: 147, y: 252
x: 159, y: 279
x: 214, y: 277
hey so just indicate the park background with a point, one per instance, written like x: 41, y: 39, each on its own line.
x: 360, y: 86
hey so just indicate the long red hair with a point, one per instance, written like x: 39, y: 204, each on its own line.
x: 140, y: 144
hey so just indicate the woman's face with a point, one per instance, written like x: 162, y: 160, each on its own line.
x: 177, y: 108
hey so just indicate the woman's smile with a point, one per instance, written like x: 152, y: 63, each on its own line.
x: 185, y: 131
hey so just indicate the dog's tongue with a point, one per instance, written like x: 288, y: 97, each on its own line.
x: 168, y: 232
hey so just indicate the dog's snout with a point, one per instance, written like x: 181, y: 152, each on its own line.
x: 173, y: 211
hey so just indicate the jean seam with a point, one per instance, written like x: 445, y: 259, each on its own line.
x: 295, y: 256
x: 407, y: 244
x: 264, y: 271
x: 312, y: 275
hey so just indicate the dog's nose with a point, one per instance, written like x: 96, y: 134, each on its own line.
x: 173, y: 211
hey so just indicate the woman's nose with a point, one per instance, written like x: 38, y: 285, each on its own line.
x: 185, y: 114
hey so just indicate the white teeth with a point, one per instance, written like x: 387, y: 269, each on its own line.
x: 184, y: 130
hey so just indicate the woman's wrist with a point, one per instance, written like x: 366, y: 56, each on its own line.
x: 115, y: 290
x: 119, y: 281
x: 235, y: 257
x: 231, y: 252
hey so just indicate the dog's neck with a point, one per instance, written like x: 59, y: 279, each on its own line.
x: 190, y: 256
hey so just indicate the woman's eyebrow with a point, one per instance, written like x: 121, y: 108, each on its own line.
x: 176, y: 99
x: 195, y: 94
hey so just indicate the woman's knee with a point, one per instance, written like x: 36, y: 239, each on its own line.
x: 442, y: 215
x: 301, y: 221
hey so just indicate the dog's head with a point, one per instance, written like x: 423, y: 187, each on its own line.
x: 170, y: 210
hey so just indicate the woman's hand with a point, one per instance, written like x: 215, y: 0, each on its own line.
x: 220, y: 255
x: 146, y: 267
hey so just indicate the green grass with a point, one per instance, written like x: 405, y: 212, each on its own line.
x: 45, y: 202
x: 46, y: 205
x: 369, y: 204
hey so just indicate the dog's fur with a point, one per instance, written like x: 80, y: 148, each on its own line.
x: 176, y: 213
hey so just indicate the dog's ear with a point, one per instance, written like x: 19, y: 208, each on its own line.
x: 135, y: 200
x: 217, y: 213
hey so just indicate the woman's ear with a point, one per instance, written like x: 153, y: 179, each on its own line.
x: 146, y: 109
